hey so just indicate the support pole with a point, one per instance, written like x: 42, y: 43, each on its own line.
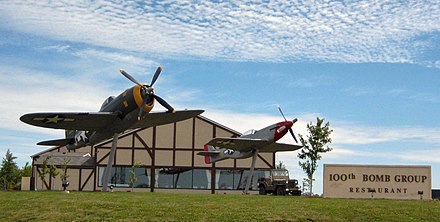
x: 251, y: 172
x: 111, y: 157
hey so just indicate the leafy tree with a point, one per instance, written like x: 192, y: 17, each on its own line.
x: 133, y: 178
x: 26, y: 171
x: 44, y: 170
x: 53, y: 173
x: 63, y: 173
x: 318, y: 138
x: 280, y: 166
x: 9, y: 172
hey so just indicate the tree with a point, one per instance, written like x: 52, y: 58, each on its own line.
x: 9, y: 172
x: 318, y: 138
x: 53, y: 173
x: 44, y: 170
x: 63, y: 173
x: 26, y: 171
x: 280, y: 166
x: 133, y: 178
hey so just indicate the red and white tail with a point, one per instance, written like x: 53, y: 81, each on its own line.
x: 210, y: 153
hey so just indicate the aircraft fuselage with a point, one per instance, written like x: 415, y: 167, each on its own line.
x: 126, y: 105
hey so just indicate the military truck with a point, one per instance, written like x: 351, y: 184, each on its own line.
x: 278, y: 183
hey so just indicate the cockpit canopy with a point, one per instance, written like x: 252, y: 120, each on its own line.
x: 107, y: 101
x: 250, y: 132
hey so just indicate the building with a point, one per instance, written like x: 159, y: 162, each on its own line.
x: 377, y: 181
x: 167, y: 158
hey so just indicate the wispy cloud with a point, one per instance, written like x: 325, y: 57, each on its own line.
x: 357, y: 134
x: 416, y: 96
x: 30, y: 90
x: 282, y: 31
x: 106, y: 56
x: 311, y: 81
x: 358, y: 90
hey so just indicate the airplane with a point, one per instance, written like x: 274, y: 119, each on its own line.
x: 250, y: 144
x: 130, y: 110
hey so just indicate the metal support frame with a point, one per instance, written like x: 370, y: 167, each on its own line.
x: 251, y: 172
x: 111, y: 157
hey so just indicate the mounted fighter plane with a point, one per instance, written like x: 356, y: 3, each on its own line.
x: 250, y: 144
x: 130, y: 110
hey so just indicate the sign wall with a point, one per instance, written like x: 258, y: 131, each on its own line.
x: 377, y: 181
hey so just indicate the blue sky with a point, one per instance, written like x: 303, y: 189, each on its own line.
x: 372, y: 69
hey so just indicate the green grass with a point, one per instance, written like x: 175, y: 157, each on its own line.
x: 121, y: 206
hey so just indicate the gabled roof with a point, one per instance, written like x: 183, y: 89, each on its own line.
x: 136, y: 130
x: 74, y: 159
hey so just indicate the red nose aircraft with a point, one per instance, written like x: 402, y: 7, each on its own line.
x: 250, y: 144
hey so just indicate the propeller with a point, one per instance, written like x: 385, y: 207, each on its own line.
x: 147, y: 91
x: 293, y: 121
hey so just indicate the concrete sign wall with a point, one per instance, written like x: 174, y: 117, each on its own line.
x: 377, y: 181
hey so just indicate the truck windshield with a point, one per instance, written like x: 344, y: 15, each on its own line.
x: 278, y: 173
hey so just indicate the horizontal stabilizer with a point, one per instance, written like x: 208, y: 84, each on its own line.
x: 208, y: 153
x: 59, y: 142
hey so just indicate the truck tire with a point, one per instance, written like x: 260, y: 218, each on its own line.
x: 281, y: 191
x: 262, y: 190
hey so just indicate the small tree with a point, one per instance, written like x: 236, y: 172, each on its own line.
x: 318, y: 138
x: 26, y: 171
x: 133, y: 178
x: 280, y: 166
x: 9, y: 172
x: 53, y: 173
x: 63, y: 173
x: 44, y: 170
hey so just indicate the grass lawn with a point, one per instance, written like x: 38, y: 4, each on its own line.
x: 126, y: 206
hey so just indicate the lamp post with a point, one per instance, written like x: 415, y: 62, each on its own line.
x: 420, y: 192
x: 372, y: 191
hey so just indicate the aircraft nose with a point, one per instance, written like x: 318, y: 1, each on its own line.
x: 289, y: 124
x: 294, y: 121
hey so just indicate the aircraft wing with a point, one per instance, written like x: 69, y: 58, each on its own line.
x: 238, y: 144
x: 70, y: 121
x: 161, y: 118
x: 275, y: 147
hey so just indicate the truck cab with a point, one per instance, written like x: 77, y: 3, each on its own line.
x: 278, y: 183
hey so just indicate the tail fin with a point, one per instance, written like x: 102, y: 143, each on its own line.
x: 70, y: 138
x: 59, y: 142
x: 210, y: 154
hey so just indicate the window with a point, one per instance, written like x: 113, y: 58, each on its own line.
x: 237, y: 179
x: 201, y: 179
x: 120, y: 177
x: 224, y: 179
x: 174, y: 178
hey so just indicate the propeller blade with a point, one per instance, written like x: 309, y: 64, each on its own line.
x: 128, y: 76
x: 156, y: 75
x: 163, y: 103
x: 293, y: 135
x: 141, y: 110
x: 279, y: 108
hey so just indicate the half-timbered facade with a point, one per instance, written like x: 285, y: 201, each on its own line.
x: 165, y: 157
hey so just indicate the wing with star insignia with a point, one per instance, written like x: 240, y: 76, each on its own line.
x: 238, y: 144
x: 71, y: 121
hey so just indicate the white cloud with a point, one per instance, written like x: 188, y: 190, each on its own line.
x: 356, y: 134
x: 114, y: 57
x: 282, y: 31
x: 33, y: 91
